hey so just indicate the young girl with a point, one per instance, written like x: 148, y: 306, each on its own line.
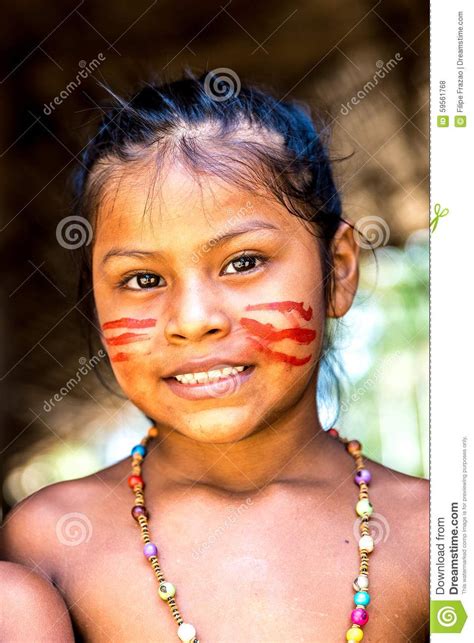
x: 219, y: 253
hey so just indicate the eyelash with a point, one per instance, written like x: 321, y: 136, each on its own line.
x: 123, y: 283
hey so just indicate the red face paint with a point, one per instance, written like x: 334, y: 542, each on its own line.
x: 284, y: 307
x: 262, y: 335
x: 127, y: 338
x: 129, y: 322
x: 272, y: 334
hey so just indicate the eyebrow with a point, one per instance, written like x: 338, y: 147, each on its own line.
x: 251, y: 226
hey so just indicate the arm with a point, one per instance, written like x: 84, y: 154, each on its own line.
x: 31, y: 608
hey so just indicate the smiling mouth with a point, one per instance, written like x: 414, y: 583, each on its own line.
x: 209, y: 377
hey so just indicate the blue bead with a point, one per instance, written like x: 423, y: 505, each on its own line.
x: 140, y: 449
x: 362, y: 598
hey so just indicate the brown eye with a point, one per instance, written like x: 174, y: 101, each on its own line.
x: 143, y: 281
x: 244, y: 263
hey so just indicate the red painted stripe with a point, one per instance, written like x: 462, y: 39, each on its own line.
x: 272, y: 334
x: 280, y: 357
x: 126, y: 338
x: 119, y: 357
x: 129, y: 322
x: 284, y: 307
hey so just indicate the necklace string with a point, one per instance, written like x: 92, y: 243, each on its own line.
x: 167, y: 591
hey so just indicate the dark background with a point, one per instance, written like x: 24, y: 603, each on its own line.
x: 320, y: 52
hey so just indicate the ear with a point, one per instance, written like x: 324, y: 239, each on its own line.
x: 345, y: 255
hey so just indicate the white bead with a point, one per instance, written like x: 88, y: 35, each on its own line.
x: 367, y: 543
x: 186, y: 632
x: 363, y: 581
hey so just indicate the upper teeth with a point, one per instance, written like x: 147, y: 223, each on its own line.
x: 208, y: 376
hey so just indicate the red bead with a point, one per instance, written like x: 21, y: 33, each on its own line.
x: 334, y: 433
x: 134, y: 480
x: 353, y: 446
x: 139, y: 510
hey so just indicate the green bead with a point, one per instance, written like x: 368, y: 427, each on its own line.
x: 166, y: 590
x: 364, y: 507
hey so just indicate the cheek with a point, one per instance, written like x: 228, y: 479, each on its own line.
x: 284, y: 331
x: 128, y: 338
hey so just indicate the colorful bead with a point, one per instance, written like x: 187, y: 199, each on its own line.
x: 153, y: 432
x: 150, y: 550
x: 364, y: 507
x: 363, y: 475
x: 138, y: 511
x: 362, y: 598
x: 361, y: 582
x: 353, y: 446
x: 186, y: 632
x: 133, y: 480
x: 139, y: 449
x: 166, y: 590
x: 367, y: 543
x: 359, y: 616
x: 354, y: 634
x: 334, y: 433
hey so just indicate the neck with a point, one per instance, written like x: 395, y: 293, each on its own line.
x: 293, y: 448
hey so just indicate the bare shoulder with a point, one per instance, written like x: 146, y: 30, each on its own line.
x: 37, y: 530
x: 23, y: 591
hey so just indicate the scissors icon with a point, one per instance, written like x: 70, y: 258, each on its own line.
x: 438, y: 215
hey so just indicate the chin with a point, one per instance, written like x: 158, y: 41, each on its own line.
x: 218, y: 426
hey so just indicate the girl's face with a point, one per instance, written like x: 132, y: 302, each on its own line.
x: 210, y: 303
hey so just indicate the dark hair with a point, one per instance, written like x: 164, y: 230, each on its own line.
x: 204, y: 121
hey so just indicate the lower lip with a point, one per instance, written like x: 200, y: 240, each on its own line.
x: 222, y: 388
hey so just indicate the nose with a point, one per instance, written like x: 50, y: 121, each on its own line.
x: 196, y: 314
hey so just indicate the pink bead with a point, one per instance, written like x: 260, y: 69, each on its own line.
x: 359, y: 616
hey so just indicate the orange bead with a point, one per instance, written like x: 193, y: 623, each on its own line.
x: 334, y: 433
x: 153, y: 432
x: 354, y: 446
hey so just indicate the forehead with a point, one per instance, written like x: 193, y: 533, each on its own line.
x: 175, y: 206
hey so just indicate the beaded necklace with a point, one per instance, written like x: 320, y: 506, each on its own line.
x: 167, y: 591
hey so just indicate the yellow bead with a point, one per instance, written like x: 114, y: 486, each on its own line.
x: 166, y: 590
x: 364, y: 507
x: 354, y: 634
